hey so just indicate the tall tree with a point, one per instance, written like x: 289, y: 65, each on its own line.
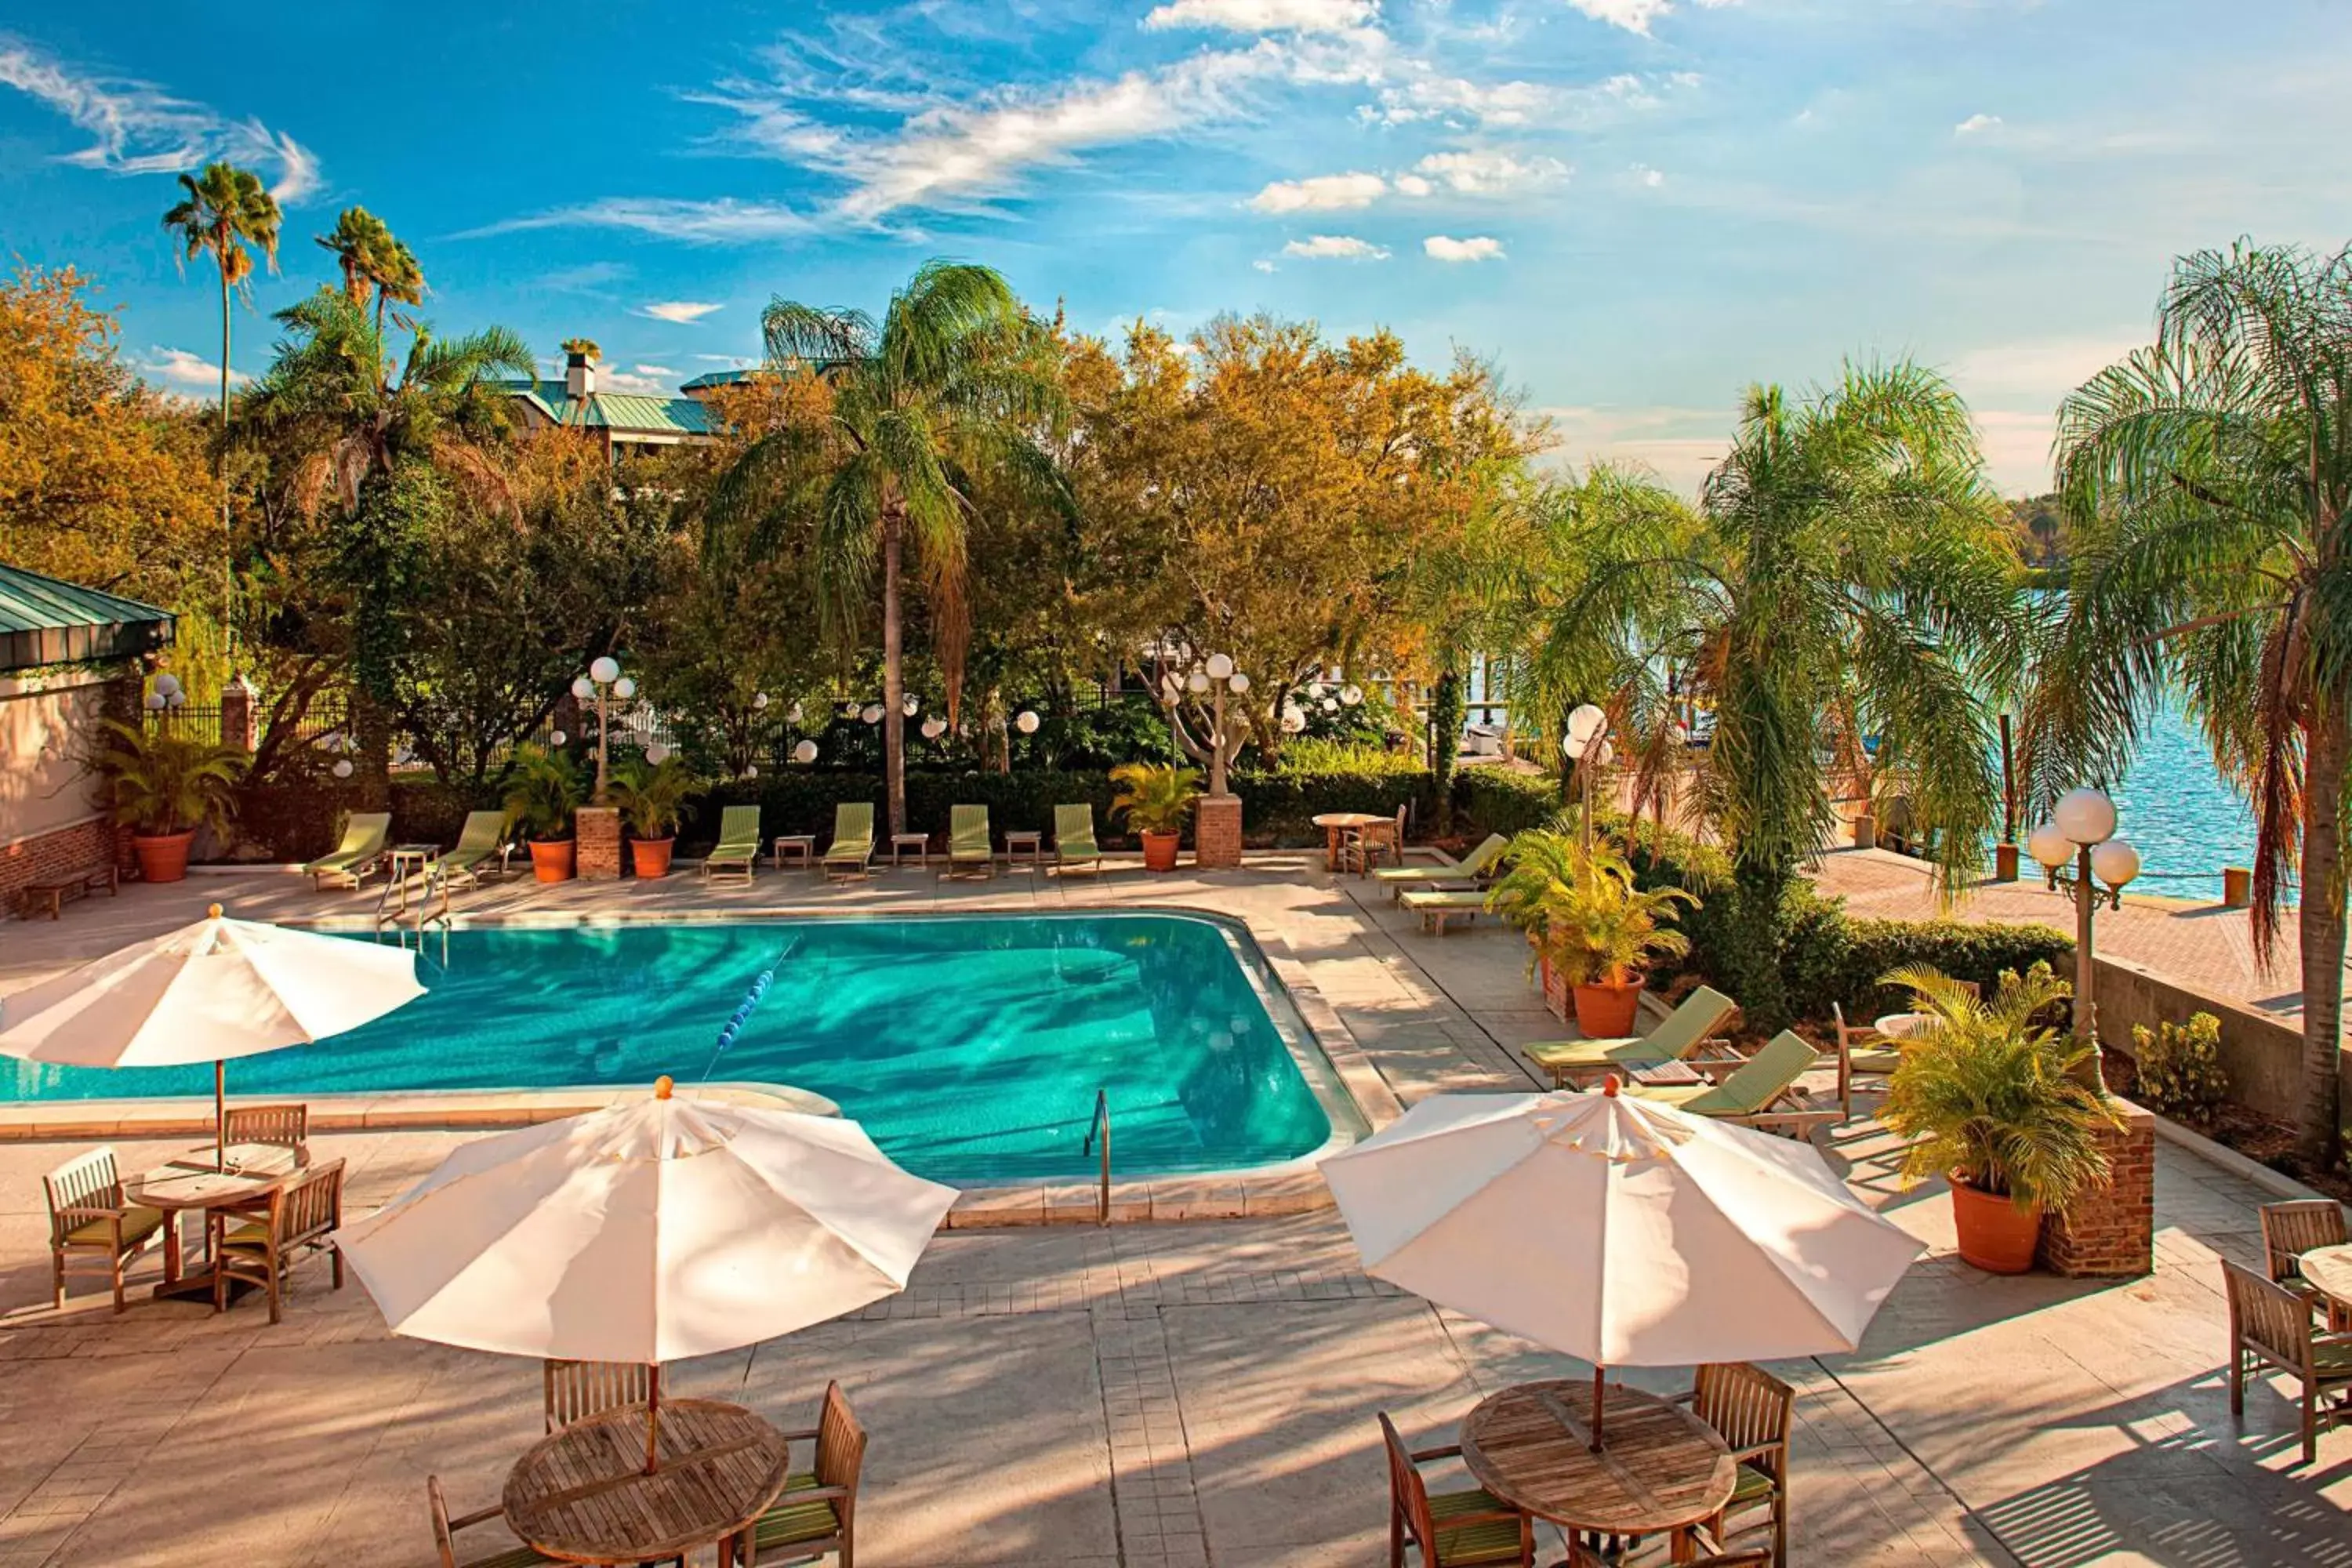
x: 373, y: 262
x: 954, y: 378
x: 2206, y: 479
x: 226, y: 210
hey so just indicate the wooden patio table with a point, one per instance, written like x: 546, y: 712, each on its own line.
x: 1334, y: 822
x: 2328, y: 1270
x: 584, y: 1494
x: 196, y: 1183
x: 1660, y: 1470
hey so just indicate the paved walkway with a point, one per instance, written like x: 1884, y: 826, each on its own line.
x: 1151, y: 1396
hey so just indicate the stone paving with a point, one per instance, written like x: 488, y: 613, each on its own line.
x: 1149, y: 1395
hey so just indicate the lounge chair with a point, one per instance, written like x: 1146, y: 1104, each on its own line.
x: 2270, y: 1326
x: 852, y: 840
x: 817, y: 1511
x: 261, y: 1246
x: 445, y: 1529
x: 576, y: 1390
x: 360, y: 852
x: 1690, y: 1026
x: 737, y: 849
x: 970, y: 849
x: 1435, y: 908
x: 1473, y: 867
x: 1453, y: 1529
x: 88, y: 1214
x: 1074, y: 839
x: 1759, y: 1092
x: 482, y: 840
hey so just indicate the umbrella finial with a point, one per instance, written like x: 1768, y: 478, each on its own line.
x: 662, y: 1087
x: 1609, y: 1088
x: 214, y: 912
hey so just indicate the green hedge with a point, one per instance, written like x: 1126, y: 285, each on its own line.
x: 1504, y: 800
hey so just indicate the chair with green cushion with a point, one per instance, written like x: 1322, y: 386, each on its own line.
x: 365, y: 833
x: 1759, y: 1092
x: 1858, y: 1057
x: 1752, y: 1411
x: 260, y: 1246
x: 970, y: 849
x: 738, y: 849
x: 482, y: 840
x: 445, y: 1529
x: 89, y: 1217
x: 1476, y: 866
x: 2271, y: 1327
x: 817, y: 1511
x: 852, y: 840
x: 1690, y: 1026
x: 1436, y: 907
x: 1074, y: 839
x: 1463, y: 1529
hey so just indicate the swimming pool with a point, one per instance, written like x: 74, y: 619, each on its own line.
x: 969, y: 1047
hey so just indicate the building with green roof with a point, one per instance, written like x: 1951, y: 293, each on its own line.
x: 625, y: 422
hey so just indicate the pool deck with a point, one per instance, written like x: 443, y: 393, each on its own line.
x: 1167, y: 1395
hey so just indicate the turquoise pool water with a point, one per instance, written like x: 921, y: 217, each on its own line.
x: 970, y: 1048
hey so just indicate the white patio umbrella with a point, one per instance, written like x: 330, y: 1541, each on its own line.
x: 650, y: 1231
x: 205, y: 992
x: 1618, y: 1230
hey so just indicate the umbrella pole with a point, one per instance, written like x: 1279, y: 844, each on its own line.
x: 1599, y: 1404
x: 653, y: 1420
x: 220, y: 1116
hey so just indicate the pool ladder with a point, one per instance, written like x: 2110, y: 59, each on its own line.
x: 1101, y: 1123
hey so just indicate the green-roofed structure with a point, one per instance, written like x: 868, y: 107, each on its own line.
x: 625, y: 422
x: 46, y: 621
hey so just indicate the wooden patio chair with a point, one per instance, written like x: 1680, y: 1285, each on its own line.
x: 1692, y: 1028
x: 88, y: 1218
x: 817, y: 1511
x: 445, y: 1529
x: 2294, y: 1227
x: 1362, y: 847
x: 260, y: 1246
x: 278, y: 1126
x: 1752, y: 1411
x: 1452, y: 1529
x: 1862, y: 1052
x: 579, y: 1389
x: 2270, y: 1326
x: 1713, y: 1553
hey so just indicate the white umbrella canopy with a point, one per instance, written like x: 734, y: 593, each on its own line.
x: 651, y: 1231
x: 206, y: 993
x: 1620, y: 1231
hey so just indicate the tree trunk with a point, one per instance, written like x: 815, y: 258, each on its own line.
x: 2319, y: 1142
x: 1445, y: 712
x: 220, y: 478
x: 894, y: 674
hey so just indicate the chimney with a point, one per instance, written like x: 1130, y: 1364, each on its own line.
x: 579, y: 375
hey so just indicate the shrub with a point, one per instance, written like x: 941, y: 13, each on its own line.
x: 2179, y: 1065
x: 1306, y: 754
x: 1504, y: 800
x: 1155, y: 797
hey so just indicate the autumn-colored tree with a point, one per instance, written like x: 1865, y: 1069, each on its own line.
x: 102, y: 481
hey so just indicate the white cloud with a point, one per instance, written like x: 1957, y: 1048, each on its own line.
x: 2036, y: 373
x: 1266, y: 16
x: 1453, y: 97
x: 136, y: 128
x: 1678, y: 445
x: 184, y: 369
x: 1263, y: 265
x: 639, y: 381
x: 1488, y: 172
x: 1477, y: 247
x: 1635, y: 15
x: 588, y: 275
x: 1645, y: 176
x: 1335, y: 247
x: 1975, y: 123
x: 718, y: 222
x: 1413, y: 185
x: 680, y: 313
x: 1323, y: 193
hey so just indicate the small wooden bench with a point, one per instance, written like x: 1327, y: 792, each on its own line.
x: 56, y: 894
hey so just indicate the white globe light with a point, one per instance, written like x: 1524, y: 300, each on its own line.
x: 1293, y: 720
x: 658, y: 754
x: 805, y: 752
x: 624, y: 689
x: 1352, y: 695
x: 751, y: 770
x: 759, y: 699
x: 1220, y: 665
x: 558, y: 738
x: 1196, y: 682
x: 582, y: 687
x: 1602, y: 756
x: 178, y: 700
x: 1315, y: 689
x: 1026, y: 722
x: 2048, y: 846
x: 910, y: 707
x: 849, y: 710
x: 605, y: 669
x: 2085, y: 815
x: 792, y: 714
x: 934, y: 727
x: 1238, y: 681
x: 167, y: 683
x: 1331, y: 705
x: 2114, y: 862
x: 1585, y: 721
x: 872, y: 713
x: 342, y: 768
x: 154, y: 701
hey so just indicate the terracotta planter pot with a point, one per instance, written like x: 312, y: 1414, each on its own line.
x: 551, y: 859
x: 650, y: 857
x: 1995, y: 1235
x: 2004, y: 862
x: 1606, y: 1012
x: 1865, y: 832
x: 1159, y: 850
x: 163, y: 856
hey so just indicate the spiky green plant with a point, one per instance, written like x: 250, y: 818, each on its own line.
x: 651, y: 796
x: 1157, y: 797
x: 1988, y: 1093
x: 161, y: 782
x: 543, y: 791
x: 1582, y: 909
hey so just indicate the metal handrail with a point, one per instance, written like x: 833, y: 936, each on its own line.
x: 1101, y: 1123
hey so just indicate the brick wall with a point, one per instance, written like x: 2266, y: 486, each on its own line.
x: 47, y: 856
x: 1217, y: 832
x: 598, y: 831
x: 2111, y: 1233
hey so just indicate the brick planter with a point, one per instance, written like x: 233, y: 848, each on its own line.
x: 598, y: 829
x: 2111, y: 1234
x: 1217, y: 832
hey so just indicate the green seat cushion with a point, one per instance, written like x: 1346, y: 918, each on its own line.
x: 1874, y: 1061
x: 248, y: 1235
x: 1752, y: 1486
x: 138, y: 1225
x: 1494, y: 1540
x: 1621, y: 1051
x: 2332, y: 1356
x: 787, y: 1522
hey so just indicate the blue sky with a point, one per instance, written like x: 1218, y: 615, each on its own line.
x: 1635, y: 207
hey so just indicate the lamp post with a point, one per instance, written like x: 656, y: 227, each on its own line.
x: 1587, y: 744
x: 603, y: 682
x: 168, y: 697
x: 2081, y: 830
x: 1216, y: 677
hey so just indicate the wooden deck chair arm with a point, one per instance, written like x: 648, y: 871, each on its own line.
x: 77, y: 1212
x: 1760, y: 1451
x: 801, y: 1436
x: 479, y: 1516
x: 1451, y: 1451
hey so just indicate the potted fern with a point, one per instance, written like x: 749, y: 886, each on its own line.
x: 1590, y: 926
x: 1988, y: 1097
x: 542, y: 796
x: 165, y: 786
x: 651, y: 797
x: 1156, y: 798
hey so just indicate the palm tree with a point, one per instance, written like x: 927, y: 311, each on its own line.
x: 374, y: 261
x: 2206, y: 479
x: 1844, y: 598
x: 952, y: 380
x: 226, y: 209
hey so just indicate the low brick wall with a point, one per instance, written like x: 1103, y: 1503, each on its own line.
x: 2111, y: 1234
x: 46, y: 857
x: 2263, y: 1055
x: 1217, y: 832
